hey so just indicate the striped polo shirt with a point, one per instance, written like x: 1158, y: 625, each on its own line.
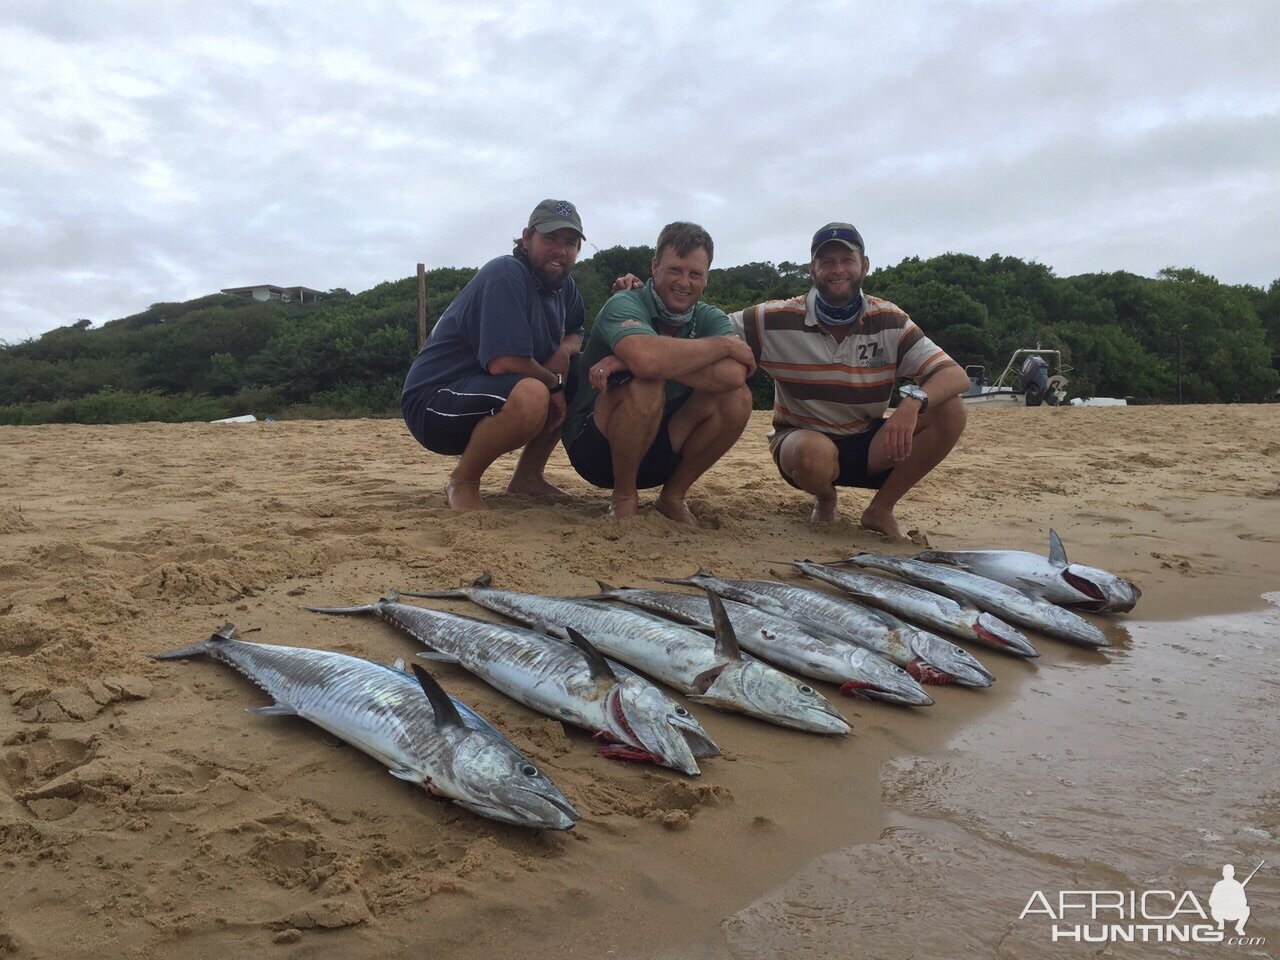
x: 838, y: 388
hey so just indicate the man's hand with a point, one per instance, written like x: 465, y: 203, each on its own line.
x: 740, y: 351
x: 899, y: 430
x: 627, y: 281
x: 599, y: 374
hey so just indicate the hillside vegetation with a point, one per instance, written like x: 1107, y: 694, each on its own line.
x: 347, y: 354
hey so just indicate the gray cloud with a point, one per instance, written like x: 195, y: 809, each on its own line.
x: 159, y: 151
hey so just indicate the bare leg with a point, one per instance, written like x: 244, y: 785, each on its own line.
x: 518, y: 422
x: 629, y: 417
x: 702, y: 431
x: 940, y: 429
x: 810, y: 459
x: 527, y: 479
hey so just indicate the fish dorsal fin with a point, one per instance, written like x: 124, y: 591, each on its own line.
x: 446, y: 713
x: 1057, y: 552
x: 228, y: 632
x: 393, y: 596
x: 703, y: 572
x: 483, y: 581
x: 596, y: 663
x: 726, y: 639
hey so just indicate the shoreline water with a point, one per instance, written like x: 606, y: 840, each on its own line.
x: 190, y: 828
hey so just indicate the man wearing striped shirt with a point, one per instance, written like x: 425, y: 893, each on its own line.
x: 835, y: 355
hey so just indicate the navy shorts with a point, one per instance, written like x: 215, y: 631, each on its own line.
x: 592, y: 457
x: 442, y: 416
x: 852, y: 451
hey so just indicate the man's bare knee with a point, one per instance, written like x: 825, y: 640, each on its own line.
x: 637, y: 399
x: 527, y: 406
x: 950, y: 416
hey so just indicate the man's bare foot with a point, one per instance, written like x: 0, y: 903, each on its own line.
x: 676, y: 510
x: 825, y: 510
x: 464, y: 495
x: 883, y: 522
x: 622, y: 508
x: 535, y: 487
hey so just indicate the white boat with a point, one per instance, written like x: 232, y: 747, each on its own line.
x: 1025, y: 379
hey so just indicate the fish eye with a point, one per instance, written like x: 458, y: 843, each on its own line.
x: 681, y: 712
x: 529, y: 770
x: 805, y: 688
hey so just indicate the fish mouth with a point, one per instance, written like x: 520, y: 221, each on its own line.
x: 941, y: 662
x: 995, y: 633
x: 641, y: 720
x: 731, y: 691
x: 1118, y: 596
x: 890, y: 683
x: 525, y: 808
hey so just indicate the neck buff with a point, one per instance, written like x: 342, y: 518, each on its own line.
x: 665, y: 315
x: 838, y: 316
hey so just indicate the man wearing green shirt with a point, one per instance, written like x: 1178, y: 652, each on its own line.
x: 662, y: 389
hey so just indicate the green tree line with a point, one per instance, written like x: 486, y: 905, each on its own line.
x: 347, y: 354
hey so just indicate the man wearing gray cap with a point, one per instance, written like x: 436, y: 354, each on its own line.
x: 835, y: 355
x: 490, y: 378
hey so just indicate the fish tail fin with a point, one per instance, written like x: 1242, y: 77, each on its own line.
x: 228, y: 632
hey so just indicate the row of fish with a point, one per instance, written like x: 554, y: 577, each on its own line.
x: 856, y: 641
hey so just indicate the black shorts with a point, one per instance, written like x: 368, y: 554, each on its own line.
x: 442, y: 416
x: 851, y: 452
x: 592, y: 457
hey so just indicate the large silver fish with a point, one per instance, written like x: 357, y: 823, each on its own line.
x: 786, y: 643
x: 406, y: 722
x: 569, y: 681
x: 1054, y: 577
x: 708, y: 671
x: 928, y: 658
x: 1008, y: 603
x: 924, y: 607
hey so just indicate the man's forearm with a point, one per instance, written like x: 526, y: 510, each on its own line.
x: 666, y: 358
x: 525, y: 366
x: 726, y: 374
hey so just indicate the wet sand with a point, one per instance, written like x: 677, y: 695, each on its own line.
x: 144, y: 814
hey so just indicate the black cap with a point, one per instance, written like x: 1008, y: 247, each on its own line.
x: 845, y: 233
x: 552, y: 215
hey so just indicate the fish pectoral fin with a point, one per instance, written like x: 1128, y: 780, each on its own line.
x: 404, y: 773
x: 274, y: 710
x: 435, y: 656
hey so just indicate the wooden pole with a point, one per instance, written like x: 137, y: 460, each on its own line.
x: 422, y: 304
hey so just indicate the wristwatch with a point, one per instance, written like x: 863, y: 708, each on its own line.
x: 915, y: 393
x: 559, y: 384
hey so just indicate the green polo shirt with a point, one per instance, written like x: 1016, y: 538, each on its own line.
x: 635, y: 313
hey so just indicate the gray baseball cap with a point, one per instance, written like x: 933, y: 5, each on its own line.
x: 844, y: 233
x: 552, y: 215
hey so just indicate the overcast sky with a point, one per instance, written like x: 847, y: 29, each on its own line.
x: 159, y: 150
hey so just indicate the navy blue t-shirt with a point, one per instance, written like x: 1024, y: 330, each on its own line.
x: 500, y: 313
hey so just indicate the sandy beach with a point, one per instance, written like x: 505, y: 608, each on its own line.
x: 144, y: 814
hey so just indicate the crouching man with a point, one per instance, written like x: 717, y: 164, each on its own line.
x: 663, y: 391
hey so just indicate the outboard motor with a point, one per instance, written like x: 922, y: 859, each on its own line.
x: 1035, y: 380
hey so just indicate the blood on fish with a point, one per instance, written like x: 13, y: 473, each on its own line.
x: 618, y: 751
x: 927, y: 673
